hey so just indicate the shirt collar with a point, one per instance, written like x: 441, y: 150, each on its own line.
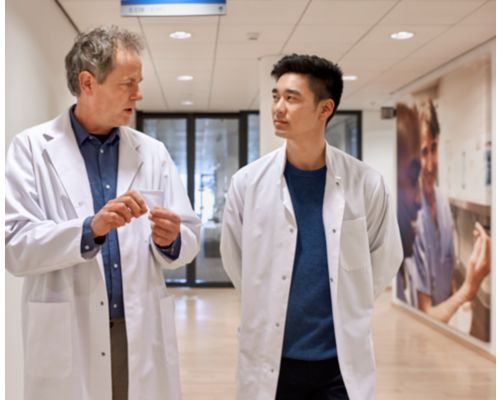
x: 82, y: 135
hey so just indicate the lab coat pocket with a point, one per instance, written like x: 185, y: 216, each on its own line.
x: 354, y: 246
x: 48, y: 345
x: 153, y: 198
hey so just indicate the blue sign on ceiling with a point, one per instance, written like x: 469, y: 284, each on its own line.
x: 162, y: 8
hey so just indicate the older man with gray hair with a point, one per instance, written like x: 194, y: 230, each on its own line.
x: 98, y: 321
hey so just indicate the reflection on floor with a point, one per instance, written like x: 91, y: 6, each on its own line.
x: 414, y: 361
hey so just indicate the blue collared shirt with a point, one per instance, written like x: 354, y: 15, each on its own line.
x: 101, y: 163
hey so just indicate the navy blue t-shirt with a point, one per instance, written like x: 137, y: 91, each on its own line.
x: 309, y: 331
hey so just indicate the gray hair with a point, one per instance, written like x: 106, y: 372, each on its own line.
x: 94, y: 51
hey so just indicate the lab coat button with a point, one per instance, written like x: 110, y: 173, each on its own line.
x: 283, y: 277
x: 334, y: 230
x: 277, y: 324
x: 291, y: 230
x: 272, y: 370
x: 102, y: 303
x: 331, y: 280
x: 103, y: 354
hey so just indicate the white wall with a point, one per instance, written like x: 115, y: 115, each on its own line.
x: 37, y: 39
x: 379, y: 146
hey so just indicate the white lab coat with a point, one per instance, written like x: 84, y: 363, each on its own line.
x: 64, y: 300
x: 258, y: 242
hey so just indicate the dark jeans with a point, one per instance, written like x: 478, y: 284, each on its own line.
x: 119, y: 359
x: 310, y: 380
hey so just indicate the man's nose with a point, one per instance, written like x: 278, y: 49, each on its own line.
x: 279, y: 106
x: 137, y: 95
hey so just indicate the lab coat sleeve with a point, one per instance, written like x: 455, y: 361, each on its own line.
x: 176, y: 200
x: 231, y: 242
x: 34, y: 244
x: 386, y: 251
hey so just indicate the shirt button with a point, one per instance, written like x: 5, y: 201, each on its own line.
x: 87, y: 247
x: 101, y: 151
x: 115, y: 305
x: 115, y: 266
x: 108, y: 186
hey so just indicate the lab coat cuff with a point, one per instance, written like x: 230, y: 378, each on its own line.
x: 90, y: 246
x: 173, y: 251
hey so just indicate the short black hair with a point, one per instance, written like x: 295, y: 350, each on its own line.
x: 325, y: 77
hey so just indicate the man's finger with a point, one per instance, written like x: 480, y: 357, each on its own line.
x: 164, y: 213
x: 139, y: 200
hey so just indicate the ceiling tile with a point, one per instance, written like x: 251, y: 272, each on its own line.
x: 267, y: 33
x: 347, y: 12
x: 430, y: 12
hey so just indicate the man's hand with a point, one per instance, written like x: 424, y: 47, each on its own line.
x: 479, y: 263
x: 165, y: 226
x: 118, y: 212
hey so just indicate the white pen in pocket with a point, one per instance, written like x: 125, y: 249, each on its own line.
x: 153, y: 198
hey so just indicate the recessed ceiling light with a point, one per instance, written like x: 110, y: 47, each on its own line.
x: 187, y: 103
x: 403, y: 35
x: 185, y: 78
x: 180, y: 35
x: 349, y: 77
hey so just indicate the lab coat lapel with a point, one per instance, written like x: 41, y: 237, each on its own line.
x: 64, y: 154
x: 333, y: 213
x: 129, y: 163
x: 284, y: 192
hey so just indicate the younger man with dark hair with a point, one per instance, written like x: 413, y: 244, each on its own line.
x: 310, y: 239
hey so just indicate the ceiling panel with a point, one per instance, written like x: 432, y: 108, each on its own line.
x: 456, y: 41
x: 355, y: 33
x: 485, y: 15
x: 346, y: 12
x: 277, y: 12
x: 201, y: 33
x: 431, y: 12
x: 247, y: 50
x: 266, y: 33
x: 306, y: 34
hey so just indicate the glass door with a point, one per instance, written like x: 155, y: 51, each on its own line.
x: 173, y: 133
x: 216, y: 160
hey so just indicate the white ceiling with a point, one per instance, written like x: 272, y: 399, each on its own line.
x: 353, y: 33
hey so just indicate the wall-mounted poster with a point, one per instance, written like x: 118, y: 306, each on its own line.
x: 444, y: 199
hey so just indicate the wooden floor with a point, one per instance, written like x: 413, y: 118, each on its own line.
x: 414, y: 361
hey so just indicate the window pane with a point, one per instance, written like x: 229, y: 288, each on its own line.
x: 343, y: 133
x: 253, y: 138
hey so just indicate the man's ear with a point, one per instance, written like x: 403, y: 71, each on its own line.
x: 87, y: 82
x: 327, y: 107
